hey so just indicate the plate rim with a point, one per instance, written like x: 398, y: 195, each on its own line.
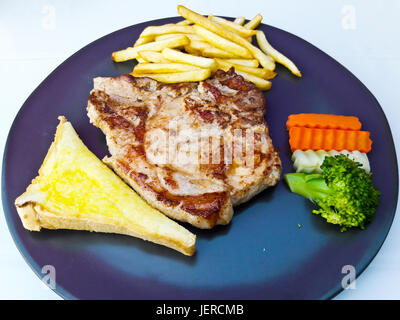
x: 64, y: 294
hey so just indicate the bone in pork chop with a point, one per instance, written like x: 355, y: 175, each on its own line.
x: 192, y: 150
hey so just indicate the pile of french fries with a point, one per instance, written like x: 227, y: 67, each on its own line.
x: 194, y: 48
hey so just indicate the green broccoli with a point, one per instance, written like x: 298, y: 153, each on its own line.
x: 344, y: 192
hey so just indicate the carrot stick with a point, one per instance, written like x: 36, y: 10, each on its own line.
x: 323, y: 121
x: 301, y: 138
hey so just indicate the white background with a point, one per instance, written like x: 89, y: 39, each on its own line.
x: 36, y: 36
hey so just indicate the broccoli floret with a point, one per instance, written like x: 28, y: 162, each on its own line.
x: 344, y: 192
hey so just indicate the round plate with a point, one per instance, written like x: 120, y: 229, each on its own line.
x: 274, y: 247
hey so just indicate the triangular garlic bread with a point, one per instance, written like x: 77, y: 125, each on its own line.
x: 75, y: 190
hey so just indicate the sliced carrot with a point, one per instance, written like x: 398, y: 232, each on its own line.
x: 301, y: 138
x: 323, y: 121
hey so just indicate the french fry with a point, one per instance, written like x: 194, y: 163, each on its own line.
x: 259, y: 72
x: 150, y: 36
x: 164, y: 68
x: 239, y: 20
x: 194, y: 37
x: 168, y: 36
x: 262, y: 84
x: 189, y: 76
x: 234, y: 27
x: 199, y: 45
x: 194, y: 48
x: 244, y: 62
x: 192, y: 51
x: 184, y: 23
x: 213, y: 52
x: 140, y: 60
x: 132, y: 52
x: 221, y: 43
x: 143, y: 40
x: 153, y: 56
x: 276, y: 55
x: 177, y: 56
x: 266, y: 61
x: 254, y: 23
x: 190, y: 36
x: 166, y: 29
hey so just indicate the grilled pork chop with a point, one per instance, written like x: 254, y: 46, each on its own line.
x: 192, y: 150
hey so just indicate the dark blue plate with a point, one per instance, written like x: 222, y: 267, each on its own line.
x: 263, y: 253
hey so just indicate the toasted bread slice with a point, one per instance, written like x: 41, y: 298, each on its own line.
x: 75, y: 190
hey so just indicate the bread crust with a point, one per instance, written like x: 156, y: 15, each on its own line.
x: 34, y: 218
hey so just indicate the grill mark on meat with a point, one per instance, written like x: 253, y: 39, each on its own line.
x: 208, y: 112
x: 213, y: 90
x: 169, y: 179
x: 236, y: 83
x: 206, y: 205
x: 107, y: 108
x: 207, y: 115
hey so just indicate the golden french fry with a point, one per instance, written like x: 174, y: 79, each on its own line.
x: 209, y: 44
x: 266, y: 61
x: 190, y: 36
x: 244, y: 62
x: 141, y: 60
x: 239, y: 20
x: 254, y: 23
x: 166, y: 29
x: 259, y: 72
x: 164, y: 68
x: 234, y: 27
x: 276, y: 55
x: 177, y: 56
x: 199, y: 45
x: 192, y: 51
x: 184, y: 23
x: 205, y: 49
x: 132, y: 52
x: 213, y: 52
x: 221, y: 43
x: 189, y: 76
x: 262, y: 84
x: 143, y: 40
x: 167, y: 36
x: 151, y: 38
x: 153, y: 56
x: 194, y: 37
